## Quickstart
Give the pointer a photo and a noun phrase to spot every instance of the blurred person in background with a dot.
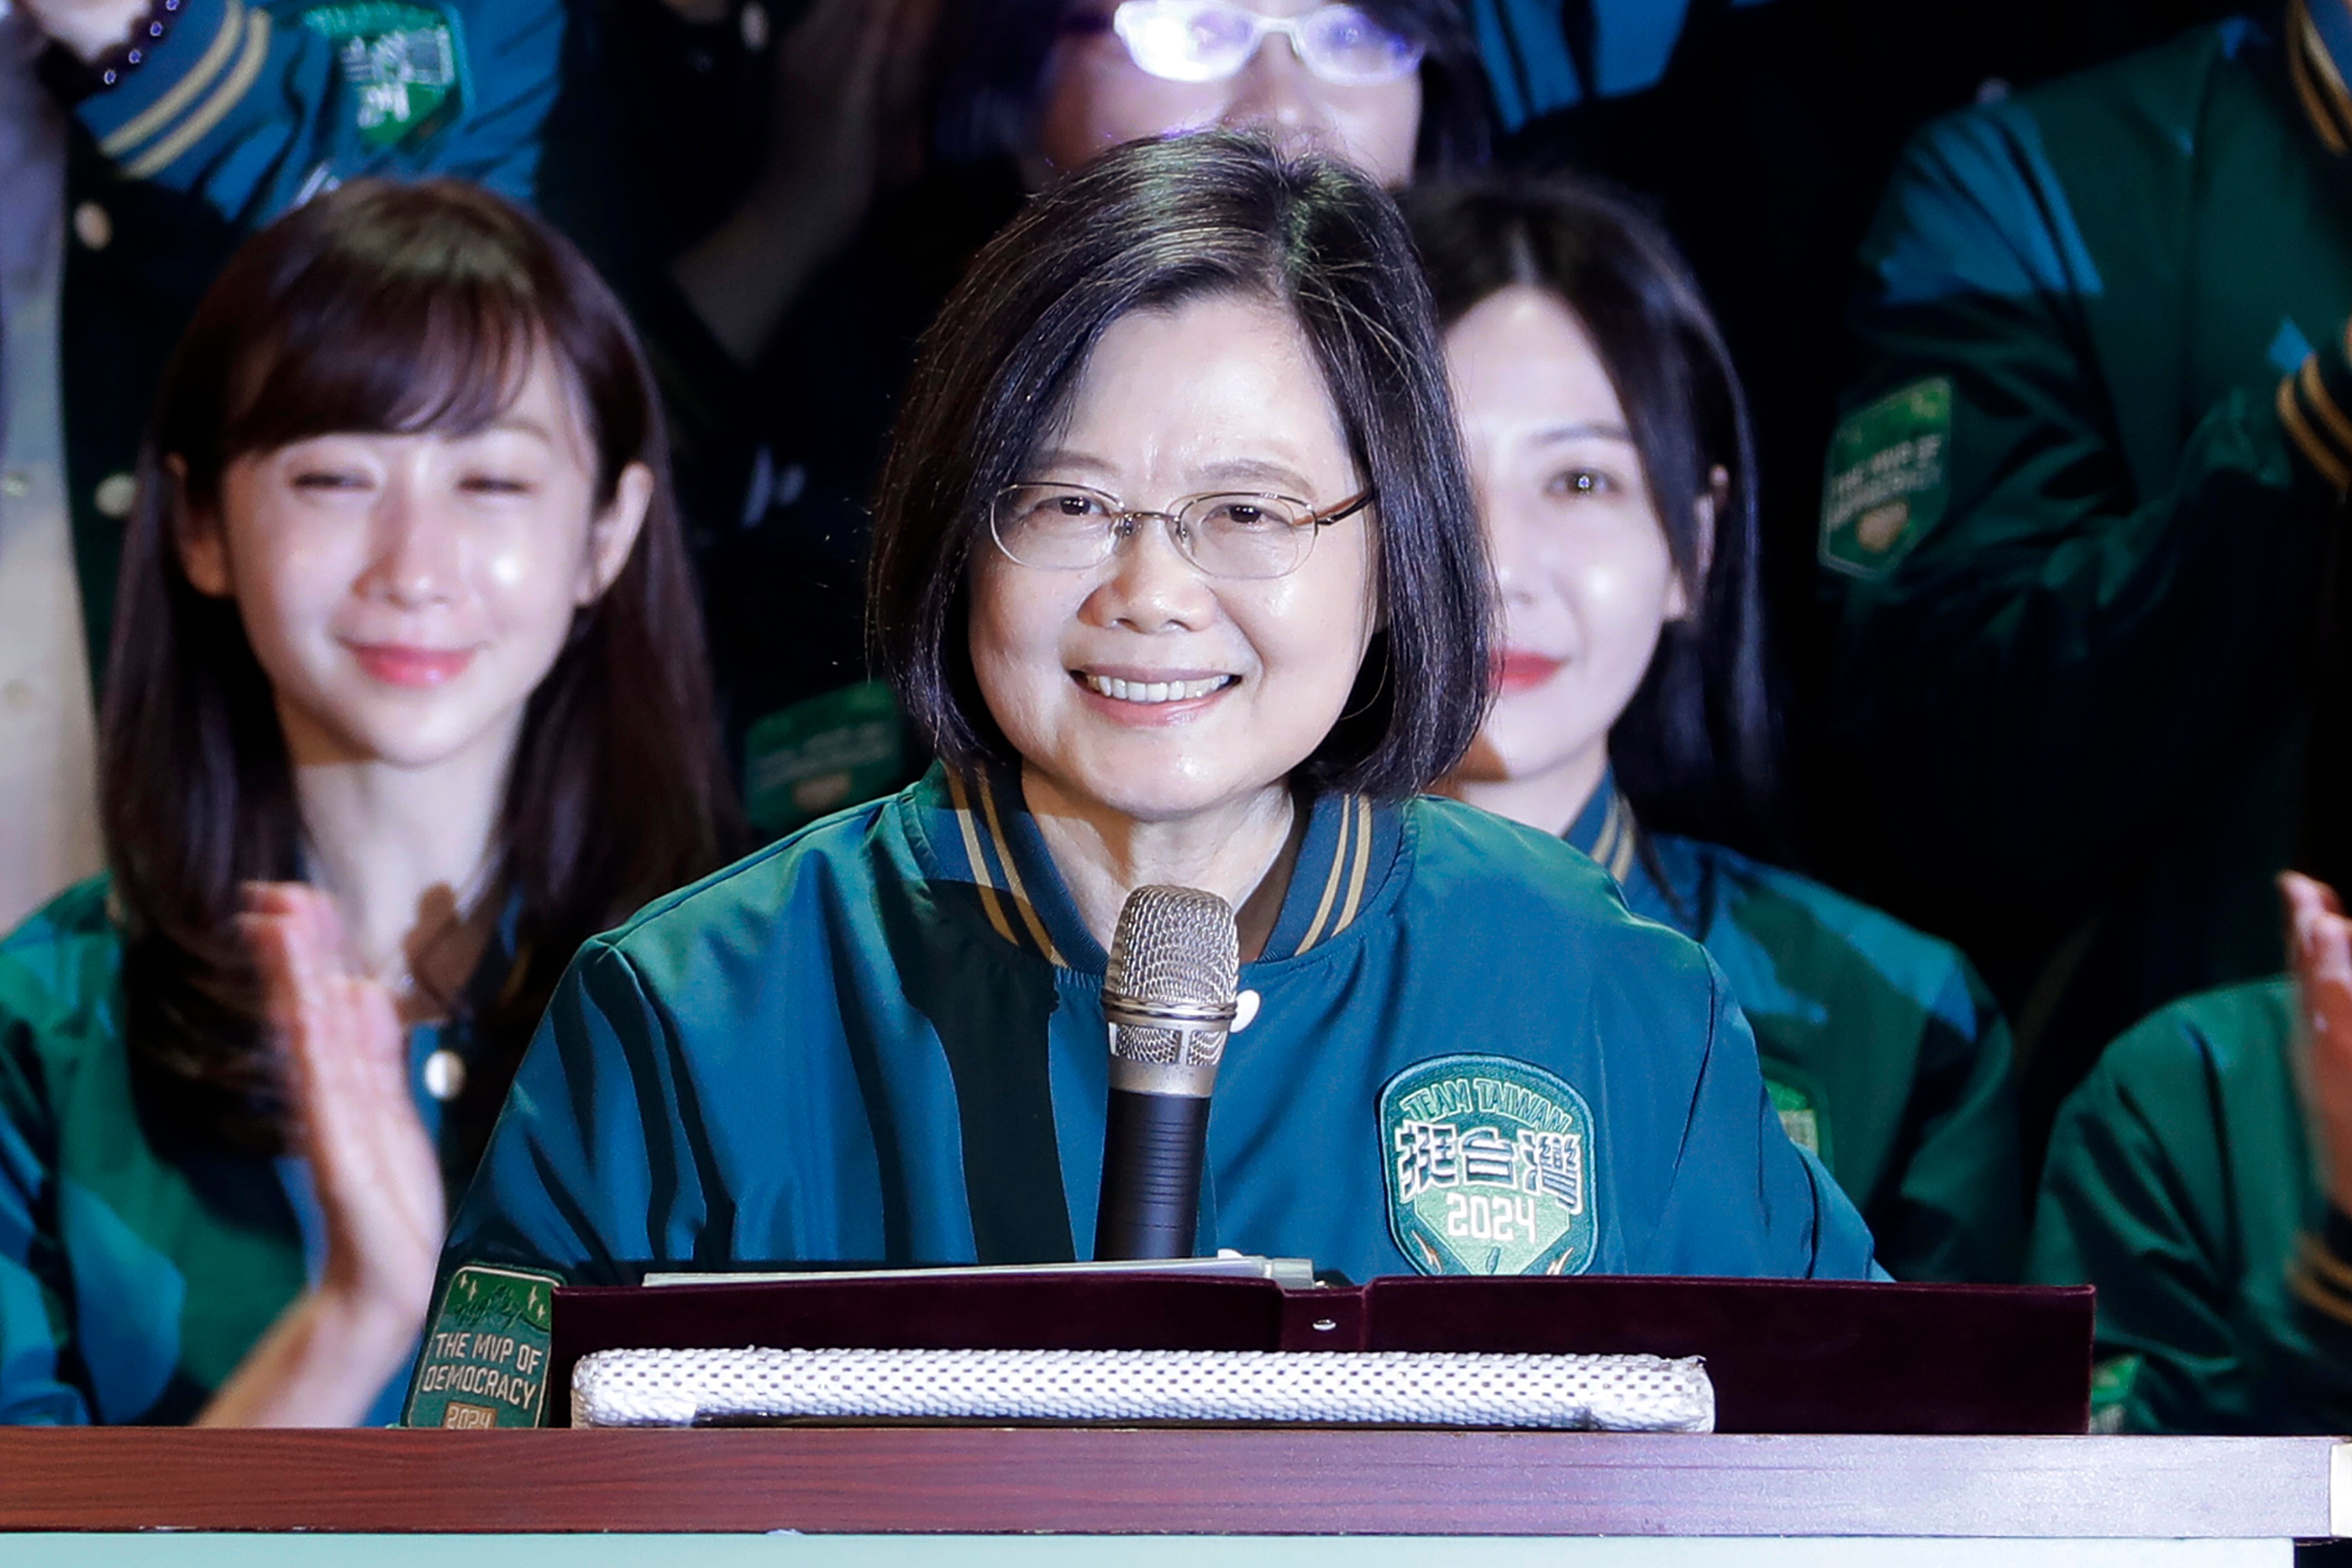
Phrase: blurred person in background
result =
(2201, 1176)
(407, 701)
(2078, 520)
(1608, 449)
(138, 141)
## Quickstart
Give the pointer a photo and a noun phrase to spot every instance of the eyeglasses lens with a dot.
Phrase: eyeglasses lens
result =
(1209, 40)
(1064, 527)
(1348, 49)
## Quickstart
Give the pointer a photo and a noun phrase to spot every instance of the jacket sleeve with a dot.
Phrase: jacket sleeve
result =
(592, 1172)
(2128, 1203)
(1744, 1201)
(2044, 663)
(34, 1326)
(1958, 1212)
(251, 111)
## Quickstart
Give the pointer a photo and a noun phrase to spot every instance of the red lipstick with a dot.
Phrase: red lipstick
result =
(396, 664)
(1519, 670)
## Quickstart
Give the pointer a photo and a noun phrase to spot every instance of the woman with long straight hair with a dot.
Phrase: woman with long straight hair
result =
(1608, 441)
(407, 700)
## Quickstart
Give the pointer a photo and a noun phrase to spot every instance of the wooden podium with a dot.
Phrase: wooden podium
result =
(906, 1495)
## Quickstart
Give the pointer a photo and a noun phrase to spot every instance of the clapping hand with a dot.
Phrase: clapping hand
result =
(345, 1060)
(2319, 958)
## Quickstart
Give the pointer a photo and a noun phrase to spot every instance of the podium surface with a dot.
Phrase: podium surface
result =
(2208, 1499)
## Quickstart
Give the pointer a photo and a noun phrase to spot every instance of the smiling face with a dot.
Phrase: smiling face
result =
(405, 593)
(1142, 686)
(1586, 577)
(1097, 97)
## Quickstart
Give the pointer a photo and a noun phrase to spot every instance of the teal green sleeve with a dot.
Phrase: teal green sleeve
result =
(248, 109)
(1958, 1212)
(2119, 1210)
(2177, 1182)
(33, 1320)
(2000, 661)
(599, 1107)
(1794, 1223)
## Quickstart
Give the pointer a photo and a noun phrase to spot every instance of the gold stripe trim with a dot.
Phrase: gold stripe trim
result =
(1020, 894)
(2317, 80)
(2334, 1269)
(1604, 843)
(1620, 864)
(2290, 415)
(231, 93)
(2323, 403)
(988, 899)
(2312, 1293)
(156, 115)
(1363, 863)
(1330, 883)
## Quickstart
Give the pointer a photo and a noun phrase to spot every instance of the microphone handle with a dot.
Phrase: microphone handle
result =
(1152, 1150)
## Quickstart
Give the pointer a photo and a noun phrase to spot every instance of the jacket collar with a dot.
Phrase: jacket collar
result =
(979, 828)
(1606, 831)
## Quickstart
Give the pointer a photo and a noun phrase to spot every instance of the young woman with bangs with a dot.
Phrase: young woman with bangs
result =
(407, 700)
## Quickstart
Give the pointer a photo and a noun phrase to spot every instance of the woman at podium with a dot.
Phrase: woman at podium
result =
(1177, 568)
(405, 701)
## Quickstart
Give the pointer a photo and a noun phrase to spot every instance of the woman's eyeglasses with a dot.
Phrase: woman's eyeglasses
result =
(1068, 528)
(1209, 40)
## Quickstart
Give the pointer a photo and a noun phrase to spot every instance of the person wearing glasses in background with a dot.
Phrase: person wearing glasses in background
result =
(1176, 568)
(902, 134)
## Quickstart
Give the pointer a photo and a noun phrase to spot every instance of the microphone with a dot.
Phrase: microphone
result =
(1168, 994)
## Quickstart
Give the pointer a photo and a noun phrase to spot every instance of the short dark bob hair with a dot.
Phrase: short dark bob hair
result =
(993, 55)
(1695, 748)
(396, 308)
(1152, 225)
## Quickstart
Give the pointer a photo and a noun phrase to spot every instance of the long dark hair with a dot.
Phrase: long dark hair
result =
(1695, 748)
(383, 307)
(992, 56)
(1150, 225)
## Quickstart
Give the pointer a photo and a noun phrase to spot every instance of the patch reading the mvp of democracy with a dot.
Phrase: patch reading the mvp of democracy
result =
(1886, 484)
(485, 1356)
(1489, 1163)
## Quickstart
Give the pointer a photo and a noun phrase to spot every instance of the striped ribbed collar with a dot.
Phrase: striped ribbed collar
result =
(978, 829)
(1605, 831)
(2319, 64)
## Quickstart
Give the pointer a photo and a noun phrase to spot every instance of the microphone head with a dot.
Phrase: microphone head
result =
(1168, 991)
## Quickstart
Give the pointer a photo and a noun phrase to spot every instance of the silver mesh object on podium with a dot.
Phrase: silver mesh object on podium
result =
(688, 1387)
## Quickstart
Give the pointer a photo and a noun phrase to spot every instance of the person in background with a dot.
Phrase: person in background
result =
(1176, 568)
(2077, 520)
(406, 702)
(900, 136)
(138, 141)
(2201, 1176)
(1608, 443)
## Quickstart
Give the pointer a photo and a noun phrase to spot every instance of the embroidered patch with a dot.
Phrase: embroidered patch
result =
(405, 65)
(832, 750)
(1885, 482)
(1800, 1116)
(484, 1362)
(1490, 1165)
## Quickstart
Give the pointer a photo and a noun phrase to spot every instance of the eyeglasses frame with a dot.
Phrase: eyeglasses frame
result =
(1095, 24)
(1123, 520)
